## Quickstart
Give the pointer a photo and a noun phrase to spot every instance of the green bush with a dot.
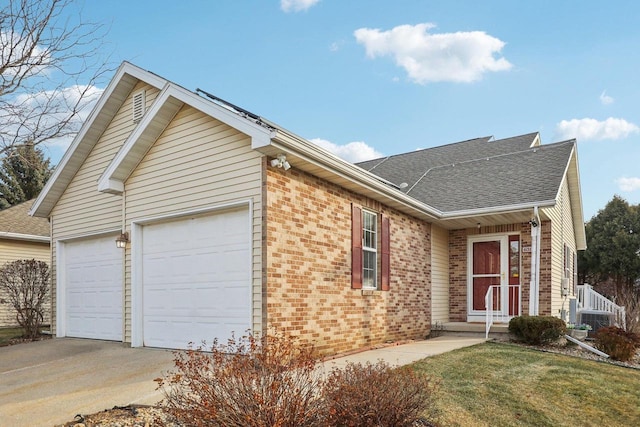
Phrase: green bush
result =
(537, 330)
(617, 343)
(377, 395)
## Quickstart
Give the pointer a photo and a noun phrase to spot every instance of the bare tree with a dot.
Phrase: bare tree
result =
(50, 66)
(26, 284)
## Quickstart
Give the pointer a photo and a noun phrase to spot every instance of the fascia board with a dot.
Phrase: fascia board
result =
(320, 157)
(112, 179)
(74, 157)
(498, 209)
(25, 237)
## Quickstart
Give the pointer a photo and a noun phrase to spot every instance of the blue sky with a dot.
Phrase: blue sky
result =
(370, 78)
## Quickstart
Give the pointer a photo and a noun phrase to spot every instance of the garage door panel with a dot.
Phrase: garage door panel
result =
(93, 289)
(196, 288)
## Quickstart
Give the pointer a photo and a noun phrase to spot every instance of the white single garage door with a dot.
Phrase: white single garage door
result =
(93, 289)
(196, 279)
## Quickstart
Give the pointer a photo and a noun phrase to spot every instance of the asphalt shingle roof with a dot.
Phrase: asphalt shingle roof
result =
(478, 173)
(16, 219)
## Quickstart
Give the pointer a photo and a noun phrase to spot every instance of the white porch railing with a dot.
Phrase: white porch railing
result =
(590, 300)
(494, 308)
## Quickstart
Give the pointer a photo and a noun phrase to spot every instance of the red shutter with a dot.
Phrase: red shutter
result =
(356, 247)
(385, 262)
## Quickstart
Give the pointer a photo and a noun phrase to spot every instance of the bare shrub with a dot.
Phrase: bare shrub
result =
(251, 381)
(617, 343)
(377, 395)
(26, 283)
(629, 298)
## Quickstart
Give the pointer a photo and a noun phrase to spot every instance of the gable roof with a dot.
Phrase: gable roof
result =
(479, 173)
(126, 77)
(15, 223)
(439, 180)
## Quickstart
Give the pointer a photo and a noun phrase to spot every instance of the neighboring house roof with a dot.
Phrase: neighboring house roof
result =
(16, 223)
(456, 185)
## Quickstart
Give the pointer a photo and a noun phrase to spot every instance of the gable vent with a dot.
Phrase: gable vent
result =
(138, 106)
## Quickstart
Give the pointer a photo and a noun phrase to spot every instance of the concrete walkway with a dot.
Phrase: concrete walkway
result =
(404, 354)
(48, 382)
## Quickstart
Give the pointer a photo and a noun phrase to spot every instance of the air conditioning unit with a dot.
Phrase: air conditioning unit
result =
(596, 319)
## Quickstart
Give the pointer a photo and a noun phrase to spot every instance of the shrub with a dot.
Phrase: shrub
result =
(376, 395)
(537, 330)
(26, 283)
(617, 343)
(251, 381)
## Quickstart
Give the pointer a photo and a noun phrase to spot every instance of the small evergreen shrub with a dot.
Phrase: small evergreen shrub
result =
(377, 395)
(617, 343)
(537, 330)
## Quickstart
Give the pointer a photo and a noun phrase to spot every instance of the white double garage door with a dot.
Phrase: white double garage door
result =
(193, 277)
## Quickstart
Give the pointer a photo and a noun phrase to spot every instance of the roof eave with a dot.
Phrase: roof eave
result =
(24, 237)
(347, 173)
(113, 96)
(168, 103)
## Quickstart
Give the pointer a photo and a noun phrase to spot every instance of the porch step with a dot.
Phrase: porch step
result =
(498, 330)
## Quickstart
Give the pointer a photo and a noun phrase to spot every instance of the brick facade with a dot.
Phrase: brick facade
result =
(458, 266)
(307, 268)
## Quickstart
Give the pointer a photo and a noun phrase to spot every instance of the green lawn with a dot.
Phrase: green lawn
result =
(7, 334)
(497, 384)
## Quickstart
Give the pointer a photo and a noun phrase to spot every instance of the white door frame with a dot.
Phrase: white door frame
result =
(137, 236)
(61, 277)
(480, 315)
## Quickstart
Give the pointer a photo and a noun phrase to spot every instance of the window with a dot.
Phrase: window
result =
(370, 254)
(369, 250)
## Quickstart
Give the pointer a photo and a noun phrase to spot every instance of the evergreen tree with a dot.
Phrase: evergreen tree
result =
(23, 173)
(613, 246)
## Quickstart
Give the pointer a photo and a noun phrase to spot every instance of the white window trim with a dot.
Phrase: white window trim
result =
(369, 249)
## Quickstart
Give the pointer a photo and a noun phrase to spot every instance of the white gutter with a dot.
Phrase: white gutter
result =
(29, 237)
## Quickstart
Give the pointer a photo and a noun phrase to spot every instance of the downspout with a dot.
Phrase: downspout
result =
(534, 287)
(124, 270)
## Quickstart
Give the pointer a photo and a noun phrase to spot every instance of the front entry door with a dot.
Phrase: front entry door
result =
(494, 262)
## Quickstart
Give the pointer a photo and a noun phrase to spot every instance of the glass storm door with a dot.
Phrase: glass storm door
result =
(494, 262)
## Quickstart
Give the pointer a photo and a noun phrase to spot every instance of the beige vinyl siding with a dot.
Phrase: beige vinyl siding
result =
(439, 274)
(12, 250)
(82, 210)
(562, 232)
(197, 163)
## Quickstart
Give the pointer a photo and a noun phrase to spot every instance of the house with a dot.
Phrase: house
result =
(225, 221)
(21, 237)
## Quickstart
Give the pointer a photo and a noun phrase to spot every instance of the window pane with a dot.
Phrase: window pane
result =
(369, 269)
(486, 257)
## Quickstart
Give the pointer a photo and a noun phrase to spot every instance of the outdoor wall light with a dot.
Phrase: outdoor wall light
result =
(281, 162)
(122, 240)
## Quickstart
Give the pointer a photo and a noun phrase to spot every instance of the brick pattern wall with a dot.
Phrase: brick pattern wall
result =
(307, 269)
(458, 266)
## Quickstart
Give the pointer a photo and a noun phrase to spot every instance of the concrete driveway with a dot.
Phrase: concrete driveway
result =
(48, 382)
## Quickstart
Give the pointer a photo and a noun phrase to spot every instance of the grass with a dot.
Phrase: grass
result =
(7, 334)
(496, 384)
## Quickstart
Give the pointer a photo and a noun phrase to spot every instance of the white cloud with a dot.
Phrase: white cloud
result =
(297, 5)
(605, 99)
(81, 97)
(352, 152)
(628, 184)
(592, 129)
(455, 57)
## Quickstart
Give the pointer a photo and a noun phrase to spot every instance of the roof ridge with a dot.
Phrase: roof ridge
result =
(485, 158)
